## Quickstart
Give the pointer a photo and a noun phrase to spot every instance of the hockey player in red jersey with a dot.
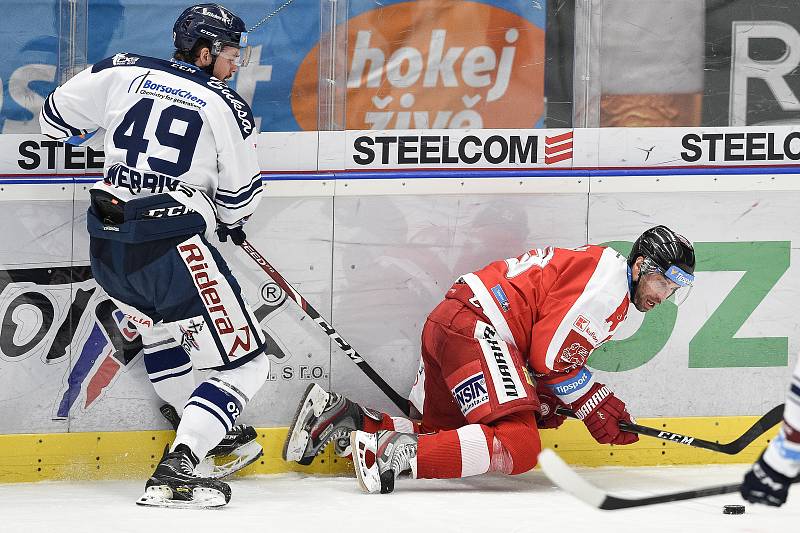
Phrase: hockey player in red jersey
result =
(541, 313)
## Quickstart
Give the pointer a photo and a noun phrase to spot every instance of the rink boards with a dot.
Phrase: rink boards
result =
(372, 227)
(134, 454)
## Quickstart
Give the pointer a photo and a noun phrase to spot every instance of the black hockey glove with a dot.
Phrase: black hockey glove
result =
(763, 484)
(236, 233)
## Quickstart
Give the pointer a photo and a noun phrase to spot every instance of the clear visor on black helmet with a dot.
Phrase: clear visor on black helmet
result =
(674, 281)
(239, 57)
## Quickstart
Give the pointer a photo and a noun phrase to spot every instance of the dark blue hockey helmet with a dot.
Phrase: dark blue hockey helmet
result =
(214, 23)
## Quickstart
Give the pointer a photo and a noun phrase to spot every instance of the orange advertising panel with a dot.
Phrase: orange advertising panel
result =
(435, 64)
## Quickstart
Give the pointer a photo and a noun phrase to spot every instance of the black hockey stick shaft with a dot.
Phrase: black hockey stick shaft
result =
(570, 481)
(611, 503)
(761, 426)
(399, 401)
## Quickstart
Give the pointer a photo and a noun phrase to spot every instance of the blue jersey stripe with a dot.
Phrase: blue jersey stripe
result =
(255, 178)
(52, 114)
(47, 114)
(169, 376)
(231, 207)
(251, 191)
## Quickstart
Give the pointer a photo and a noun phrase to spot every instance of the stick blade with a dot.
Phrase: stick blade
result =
(569, 481)
(772, 418)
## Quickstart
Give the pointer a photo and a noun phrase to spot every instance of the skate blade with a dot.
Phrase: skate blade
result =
(202, 498)
(368, 477)
(243, 456)
(314, 401)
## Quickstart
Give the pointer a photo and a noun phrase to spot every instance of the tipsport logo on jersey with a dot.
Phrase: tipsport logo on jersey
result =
(438, 65)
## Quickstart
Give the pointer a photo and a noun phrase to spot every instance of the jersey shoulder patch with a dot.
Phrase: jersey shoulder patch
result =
(125, 59)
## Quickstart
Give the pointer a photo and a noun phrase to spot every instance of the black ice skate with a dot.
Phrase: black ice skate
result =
(239, 444)
(323, 417)
(388, 454)
(175, 484)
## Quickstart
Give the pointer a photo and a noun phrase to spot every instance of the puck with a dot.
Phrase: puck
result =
(733, 509)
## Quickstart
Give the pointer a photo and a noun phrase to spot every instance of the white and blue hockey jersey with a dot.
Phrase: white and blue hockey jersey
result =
(166, 123)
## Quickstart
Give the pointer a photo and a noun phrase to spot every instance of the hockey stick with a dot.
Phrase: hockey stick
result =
(399, 401)
(568, 480)
(761, 426)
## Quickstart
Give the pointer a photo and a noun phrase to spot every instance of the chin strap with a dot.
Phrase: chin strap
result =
(631, 284)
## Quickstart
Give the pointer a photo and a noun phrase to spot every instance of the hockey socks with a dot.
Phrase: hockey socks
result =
(215, 405)
(393, 423)
(237, 449)
(209, 414)
(509, 445)
(454, 453)
(170, 372)
(199, 430)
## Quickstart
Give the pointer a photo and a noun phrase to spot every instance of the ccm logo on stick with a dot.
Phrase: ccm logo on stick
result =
(683, 439)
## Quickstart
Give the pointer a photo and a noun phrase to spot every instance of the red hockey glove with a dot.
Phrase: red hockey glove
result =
(547, 418)
(602, 412)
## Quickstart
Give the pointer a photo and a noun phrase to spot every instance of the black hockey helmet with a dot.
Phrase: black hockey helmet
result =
(666, 252)
(212, 22)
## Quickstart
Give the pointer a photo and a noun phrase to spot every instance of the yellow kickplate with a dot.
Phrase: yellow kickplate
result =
(128, 454)
(134, 454)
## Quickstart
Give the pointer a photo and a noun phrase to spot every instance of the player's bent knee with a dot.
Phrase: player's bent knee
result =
(249, 377)
(526, 453)
(259, 364)
(519, 437)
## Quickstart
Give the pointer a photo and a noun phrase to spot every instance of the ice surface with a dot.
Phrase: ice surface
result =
(494, 503)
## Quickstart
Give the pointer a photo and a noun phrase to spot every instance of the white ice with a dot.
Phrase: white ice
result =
(296, 503)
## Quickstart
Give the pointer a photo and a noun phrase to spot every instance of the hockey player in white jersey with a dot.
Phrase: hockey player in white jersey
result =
(180, 165)
(778, 466)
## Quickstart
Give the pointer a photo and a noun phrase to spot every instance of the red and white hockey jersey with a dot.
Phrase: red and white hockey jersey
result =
(555, 305)
(166, 123)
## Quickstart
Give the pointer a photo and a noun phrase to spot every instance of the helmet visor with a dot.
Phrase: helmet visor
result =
(238, 56)
(244, 51)
(684, 282)
(236, 53)
(675, 282)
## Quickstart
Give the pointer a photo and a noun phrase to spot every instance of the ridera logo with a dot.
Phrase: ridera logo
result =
(435, 65)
